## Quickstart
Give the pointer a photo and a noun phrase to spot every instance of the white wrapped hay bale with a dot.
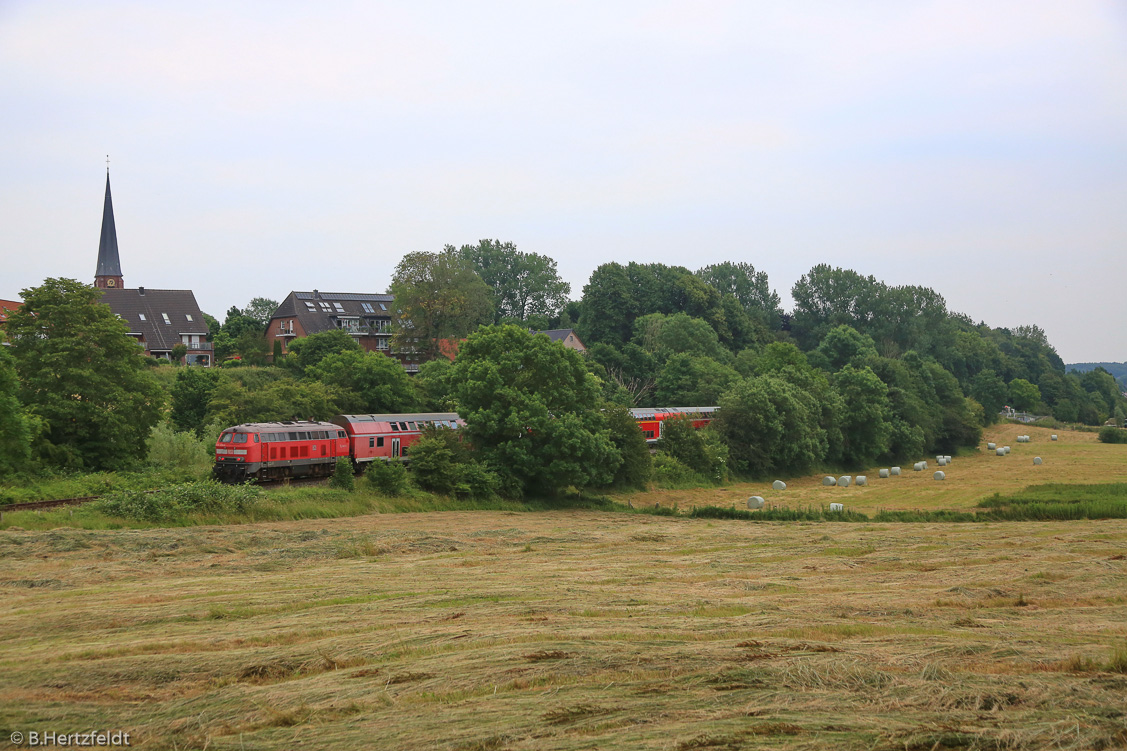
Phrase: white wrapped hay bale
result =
(1053, 437)
(948, 458)
(918, 466)
(999, 452)
(862, 480)
(779, 485)
(939, 475)
(836, 507)
(829, 481)
(942, 461)
(991, 446)
(895, 471)
(884, 473)
(844, 481)
(1036, 460)
(755, 502)
(1007, 449)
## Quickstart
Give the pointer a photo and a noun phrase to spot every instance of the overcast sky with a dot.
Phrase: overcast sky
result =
(979, 148)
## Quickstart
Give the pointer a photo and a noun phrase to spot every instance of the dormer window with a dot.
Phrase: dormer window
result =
(167, 319)
(188, 316)
(142, 316)
(382, 306)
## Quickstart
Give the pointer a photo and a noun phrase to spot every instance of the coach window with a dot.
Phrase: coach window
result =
(372, 442)
(402, 426)
(379, 442)
(395, 427)
(293, 436)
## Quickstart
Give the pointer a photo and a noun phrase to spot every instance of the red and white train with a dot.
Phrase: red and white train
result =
(267, 451)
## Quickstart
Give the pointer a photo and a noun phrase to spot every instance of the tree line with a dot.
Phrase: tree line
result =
(857, 372)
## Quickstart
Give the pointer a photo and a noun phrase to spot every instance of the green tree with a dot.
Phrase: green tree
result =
(436, 391)
(307, 351)
(637, 464)
(83, 376)
(843, 345)
(179, 350)
(252, 347)
(989, 390)
(749, 287)
(366, 382)
(191, 393)
(866, 427)
(438, 296)
(260, 309)
(525, 285)
(607, 310)
(15, 427)
(770, 425)
(1024, 396)
(237, 324)
(693, 381)
(235, 401)
(694, 448)
(668, 335)
(531, 409)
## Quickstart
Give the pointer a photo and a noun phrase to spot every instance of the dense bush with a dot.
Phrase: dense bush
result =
(1112, 434)
(637, 464)
(206, 497)
(169, 449)
(668, 472)
(343, 474)
(702, 451)
(387, 477)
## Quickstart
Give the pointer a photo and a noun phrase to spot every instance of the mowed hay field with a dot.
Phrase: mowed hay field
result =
(1076, 457)
(586, 630)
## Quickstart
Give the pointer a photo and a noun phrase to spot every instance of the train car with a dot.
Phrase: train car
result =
(372, 437)
(650, 419)
(277, 450)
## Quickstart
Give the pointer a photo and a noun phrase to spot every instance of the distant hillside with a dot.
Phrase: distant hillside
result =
(1117, 369)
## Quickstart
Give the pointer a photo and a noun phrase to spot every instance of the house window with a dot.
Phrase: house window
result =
(188, 316)
(382, 306)
(311, 306)
(339, 307)
(142, 316)
(367, 307)
(326, 307)
(382, 344)
(167, 319)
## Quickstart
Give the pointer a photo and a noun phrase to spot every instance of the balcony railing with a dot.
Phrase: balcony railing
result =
(198, 346)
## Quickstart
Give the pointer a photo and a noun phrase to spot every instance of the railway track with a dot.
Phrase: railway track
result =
(33, 505)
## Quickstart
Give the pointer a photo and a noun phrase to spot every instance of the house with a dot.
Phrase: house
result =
(7, 307)
(365, 316)
(158, 319)
(567, 337)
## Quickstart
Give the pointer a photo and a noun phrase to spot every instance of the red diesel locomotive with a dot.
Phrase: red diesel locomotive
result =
(266, 451)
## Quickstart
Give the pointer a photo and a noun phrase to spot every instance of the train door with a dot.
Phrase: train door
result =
(395, 448)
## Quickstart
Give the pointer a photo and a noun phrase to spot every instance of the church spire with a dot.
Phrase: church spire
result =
(109, 266)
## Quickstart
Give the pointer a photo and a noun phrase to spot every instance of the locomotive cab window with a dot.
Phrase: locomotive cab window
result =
(225, 438)
(340, 434)
(240, 437)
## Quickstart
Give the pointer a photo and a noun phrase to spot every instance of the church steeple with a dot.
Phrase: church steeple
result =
(108, 274)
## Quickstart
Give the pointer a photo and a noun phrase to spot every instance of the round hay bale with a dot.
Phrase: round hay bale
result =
(1036, 460)
(844, 481)
(939, 475)
(919, 466)
(948, 458)
(1007, 449)
(895, 471)
(862, 480)
(838, 507)
(942, 461)
(999, 452)
(884, 473)
(991, 446)
(1053, 437)
(779, 485)
(755, 502)
(829, 481)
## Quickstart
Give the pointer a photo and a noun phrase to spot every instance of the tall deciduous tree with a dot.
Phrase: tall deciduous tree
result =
(525, 285)
(190, 396)
(749, 287)
(310, 350)
(83, 376)
(15, 430)
(438, 296)
(260, 309)
(532, 409)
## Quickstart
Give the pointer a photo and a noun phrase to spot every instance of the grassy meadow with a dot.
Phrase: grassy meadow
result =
(585, 629)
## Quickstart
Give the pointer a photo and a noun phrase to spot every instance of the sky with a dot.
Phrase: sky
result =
(979, 149)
